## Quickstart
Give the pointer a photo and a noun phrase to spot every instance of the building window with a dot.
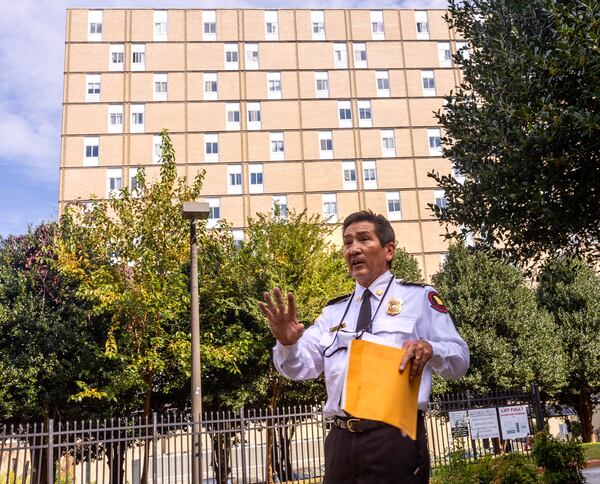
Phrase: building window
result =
(251, 56)
(274, 85)
(211, 147)
(214, 213)
(91, 150)
(277, 146)
(209, 23)
(160, 87)
(349, 175)
(133, 182)
(422, 25)
(156, 149)
(92, 89)
(377, 30)
(94, 25)
(234, 179)
(388, 145)
(435, 142)
(117, 57)
(137, 118)
(365, 119)
(321, 84)
(462, 49)
(232, 111)
(382, 80)
(393, 206)
(231, 57)
(457, 175)
(238, 237)
(444, 54)
(439, 199)
(253, 115)
(115, 118)
(210, 86)
(255, 173)
(428, 81)
(271, 25)
(340, 56)
(325, 145)
(317, 18)
(360, 55)
(114, 182)
(138, 57)
(345, 114)
(280, 206)
(369, 175)
(160, 25)
(330, 208)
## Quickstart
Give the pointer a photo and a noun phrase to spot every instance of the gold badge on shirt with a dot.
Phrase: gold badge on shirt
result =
(394, 306)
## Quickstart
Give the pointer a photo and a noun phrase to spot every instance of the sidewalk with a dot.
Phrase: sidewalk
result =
(592, 473)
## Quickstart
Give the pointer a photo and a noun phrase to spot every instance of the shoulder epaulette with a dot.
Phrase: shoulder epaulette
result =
(338, 299)
(412, 283)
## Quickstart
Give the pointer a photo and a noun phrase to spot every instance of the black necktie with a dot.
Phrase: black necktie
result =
(364, 315)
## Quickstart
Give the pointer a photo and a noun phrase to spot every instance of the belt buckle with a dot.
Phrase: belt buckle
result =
(349, 423)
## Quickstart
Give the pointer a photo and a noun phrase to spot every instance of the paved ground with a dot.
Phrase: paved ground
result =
(592, 475)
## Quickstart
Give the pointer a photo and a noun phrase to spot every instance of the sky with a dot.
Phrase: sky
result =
(32, 36)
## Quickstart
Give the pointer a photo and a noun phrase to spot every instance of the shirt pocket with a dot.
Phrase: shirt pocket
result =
(396, 328)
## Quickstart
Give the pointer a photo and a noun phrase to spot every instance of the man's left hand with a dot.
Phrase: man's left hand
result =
(420, 352)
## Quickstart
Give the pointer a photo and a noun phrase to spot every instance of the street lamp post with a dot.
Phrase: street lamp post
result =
(193, 211)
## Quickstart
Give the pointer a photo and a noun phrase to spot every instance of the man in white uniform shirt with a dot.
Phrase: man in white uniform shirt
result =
(407, 314)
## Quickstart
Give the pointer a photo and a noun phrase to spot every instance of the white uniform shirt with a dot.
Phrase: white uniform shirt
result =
(422, 317)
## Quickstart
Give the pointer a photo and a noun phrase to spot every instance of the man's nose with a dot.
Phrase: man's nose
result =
(354, 247)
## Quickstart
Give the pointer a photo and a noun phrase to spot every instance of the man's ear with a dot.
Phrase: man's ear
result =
(390, 250)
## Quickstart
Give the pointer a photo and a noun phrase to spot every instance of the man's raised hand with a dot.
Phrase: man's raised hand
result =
(282, 321)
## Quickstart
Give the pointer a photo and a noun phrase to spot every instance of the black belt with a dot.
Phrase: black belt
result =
(353, 424)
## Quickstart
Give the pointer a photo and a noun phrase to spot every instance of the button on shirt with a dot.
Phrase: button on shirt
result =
(323, 348)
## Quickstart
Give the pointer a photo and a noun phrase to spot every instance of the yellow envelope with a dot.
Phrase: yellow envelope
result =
(375, 389)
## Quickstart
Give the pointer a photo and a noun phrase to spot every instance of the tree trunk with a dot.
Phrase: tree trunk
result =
(116, 452)
(585, 410)
(282, 449)
(221, 452)
(148, 442)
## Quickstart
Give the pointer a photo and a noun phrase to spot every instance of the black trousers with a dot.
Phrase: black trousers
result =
(379, 456)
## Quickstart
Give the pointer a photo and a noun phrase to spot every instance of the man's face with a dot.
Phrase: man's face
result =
(365, 256)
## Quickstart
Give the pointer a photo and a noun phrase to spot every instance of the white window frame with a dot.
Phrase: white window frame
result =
(114, 110)
(428, 82)
(133, 187)
(214, 214)
(421, 25)
(93, 83)
(238, 237)
(369, 167)
(340, 55)
(232, 116)
(365, 113)
(434, 141)
(254, 120)
(256, 185)
(209, 19)
(394, 206)
(137, 113)
(234, 175)
(231, 49)
(114, 177)
(349, 176)
(317, 24)
(271, 25)
(156, 149)
(138, 57)
(280, 206)
(95, 27)
(359, 50)
(329, 203)
(251, 56)
(211, 140)
(276, 140)
(388, 149)
(462, 48)
(384, 77)
(444, 54)
(91, 159)
(274, 85)
(160, 25)
(377, 25)
(116, 59)
(325, 140)
(160, 87)
(439, 198)
(344, 114)
(210, 78)
(321, 79)
(457, 175)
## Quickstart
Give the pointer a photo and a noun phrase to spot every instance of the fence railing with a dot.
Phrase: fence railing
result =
(248, 446)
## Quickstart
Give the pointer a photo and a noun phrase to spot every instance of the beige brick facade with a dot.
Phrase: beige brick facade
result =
(329, 111)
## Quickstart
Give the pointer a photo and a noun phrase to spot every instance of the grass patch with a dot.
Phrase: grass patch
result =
(592, 451)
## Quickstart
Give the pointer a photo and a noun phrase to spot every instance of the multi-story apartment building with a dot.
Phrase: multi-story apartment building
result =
(325, 110)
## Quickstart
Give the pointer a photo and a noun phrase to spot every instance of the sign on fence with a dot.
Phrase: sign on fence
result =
(459, 423)
(484, 423)
(514, 422)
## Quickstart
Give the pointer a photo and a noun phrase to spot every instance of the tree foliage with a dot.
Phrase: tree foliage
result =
(405, 266)
(524, 128)
(570, 291)
(512, 343)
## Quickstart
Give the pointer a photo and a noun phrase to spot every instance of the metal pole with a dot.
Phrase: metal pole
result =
(539, 411)
(196, 375)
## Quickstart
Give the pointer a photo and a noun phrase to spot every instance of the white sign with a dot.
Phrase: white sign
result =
(514, 422)
(484, 423)
(458, 423)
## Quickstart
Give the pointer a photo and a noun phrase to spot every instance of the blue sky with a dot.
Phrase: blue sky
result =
(32, 34)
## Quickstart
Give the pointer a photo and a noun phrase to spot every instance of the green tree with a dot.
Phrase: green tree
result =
(570, 291)
(512, 343)
(405, 266)
(523, 128)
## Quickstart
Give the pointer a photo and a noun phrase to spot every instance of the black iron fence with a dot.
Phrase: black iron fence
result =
(249, 446)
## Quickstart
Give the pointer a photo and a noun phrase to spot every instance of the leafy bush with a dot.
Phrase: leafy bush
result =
(562, 461)
(514, 468)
